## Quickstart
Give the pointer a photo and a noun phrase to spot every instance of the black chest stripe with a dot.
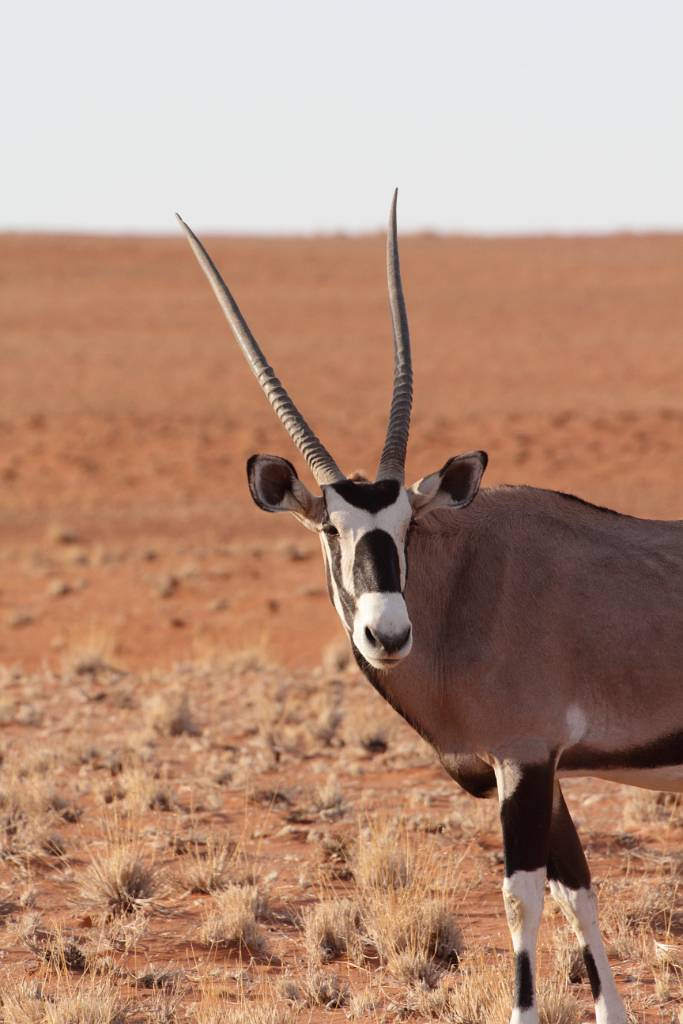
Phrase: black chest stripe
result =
(375, 566)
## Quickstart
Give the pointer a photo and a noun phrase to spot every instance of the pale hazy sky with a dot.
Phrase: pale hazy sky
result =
(490, 115)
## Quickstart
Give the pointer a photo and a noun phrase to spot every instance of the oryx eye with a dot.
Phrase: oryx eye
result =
(330, 530)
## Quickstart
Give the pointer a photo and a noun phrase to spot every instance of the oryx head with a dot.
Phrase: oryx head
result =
(363, 526)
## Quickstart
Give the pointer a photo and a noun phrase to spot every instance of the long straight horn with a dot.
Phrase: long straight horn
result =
(322, 465)
(393, 460)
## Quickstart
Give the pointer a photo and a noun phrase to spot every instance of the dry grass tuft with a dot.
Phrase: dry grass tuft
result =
(322, 989)
(417, 936)
(381, 860)
(91, 1000)
(170, 714)
(411, 929)
(634, 907)
(207, 868)
(57, 950)
(119, 882)
(231, 921)
(333, 930)
(139, 788)
(27, 814)
(268, 1010)
(648, 807)
(90, 654)
(328, 800)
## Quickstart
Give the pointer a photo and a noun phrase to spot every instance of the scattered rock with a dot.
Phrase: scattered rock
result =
(57, 534)
(17, 619)
(59, 588)
(168, 586)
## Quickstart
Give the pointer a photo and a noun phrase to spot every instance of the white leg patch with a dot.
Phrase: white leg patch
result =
(580, 907)
(523, 899)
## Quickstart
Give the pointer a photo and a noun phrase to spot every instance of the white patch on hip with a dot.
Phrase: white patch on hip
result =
(576, 724)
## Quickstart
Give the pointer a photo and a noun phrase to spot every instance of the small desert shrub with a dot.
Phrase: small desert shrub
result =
(328, 800)
(170, 714)
(57, 950)
(416, 935)
(207, 868)
(325, 718)
(138, 789)
(230, 921)
(363, 1004)
(335, 856)
(322, 989)
(632, 906)
(381, 860)
(119, 882)
(644, 806)
(91, 1000)
(27, 814)
(212, 1011)
(332, 930)
(90, 654)
(21, 1002)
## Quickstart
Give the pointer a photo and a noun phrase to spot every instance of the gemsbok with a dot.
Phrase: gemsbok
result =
(526, 634)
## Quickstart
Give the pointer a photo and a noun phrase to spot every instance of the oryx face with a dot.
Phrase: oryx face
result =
(363, 539)
(363, 529)
(363, 526)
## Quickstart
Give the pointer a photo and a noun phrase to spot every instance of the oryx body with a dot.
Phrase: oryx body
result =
(526, 634)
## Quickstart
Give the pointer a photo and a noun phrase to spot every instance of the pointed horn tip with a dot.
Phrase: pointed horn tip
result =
(185, 228)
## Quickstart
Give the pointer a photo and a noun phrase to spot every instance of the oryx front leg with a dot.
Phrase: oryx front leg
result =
(570, 885)
(526, 796)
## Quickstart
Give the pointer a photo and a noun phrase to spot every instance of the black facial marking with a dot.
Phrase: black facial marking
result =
(592, 972)
(375, 565)
(374, 677)
(524, 985)
(370, 497)
(475, 776)
(666, 751)
(525, 817)
(566, 859)
(334, 570)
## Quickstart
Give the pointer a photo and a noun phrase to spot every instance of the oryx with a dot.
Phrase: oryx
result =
(525, 633)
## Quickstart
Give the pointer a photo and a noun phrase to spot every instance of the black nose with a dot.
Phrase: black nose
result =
(386, 643)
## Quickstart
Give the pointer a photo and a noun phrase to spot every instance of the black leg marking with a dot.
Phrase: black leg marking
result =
(525, 816)
(526, 793)
(566, 860)
(524, 985)
(592, 972)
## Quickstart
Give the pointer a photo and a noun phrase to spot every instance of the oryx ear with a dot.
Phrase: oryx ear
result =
(453, 486)
(275, 487)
